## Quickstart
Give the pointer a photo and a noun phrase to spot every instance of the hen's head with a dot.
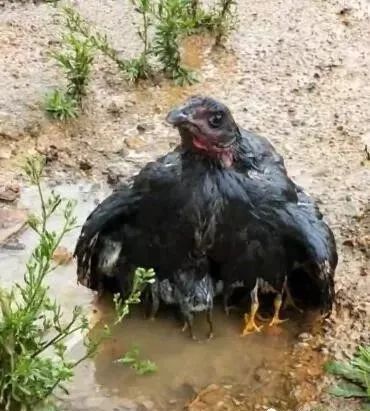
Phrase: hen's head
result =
(206, 126)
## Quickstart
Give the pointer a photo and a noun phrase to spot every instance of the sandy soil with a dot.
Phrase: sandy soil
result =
(294, 71)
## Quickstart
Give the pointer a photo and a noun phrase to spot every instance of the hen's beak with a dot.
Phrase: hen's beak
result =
(177, 116)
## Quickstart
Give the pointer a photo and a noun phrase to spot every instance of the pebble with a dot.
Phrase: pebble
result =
(9, 193)
(148, 405)
(85, 164)
(135, 143)
(305, 337)
(5, 153)
(14, 245)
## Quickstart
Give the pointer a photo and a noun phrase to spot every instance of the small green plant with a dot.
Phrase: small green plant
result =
(134, 69)
(33, 332)
(76, 60)
(132, 359)
(60, 105)
(140, 68)
(170, 28)
(141, 279)
(145, 8)
(197, 18)
(77, 24)
(224, 19)
(356, 374)
(137, 69)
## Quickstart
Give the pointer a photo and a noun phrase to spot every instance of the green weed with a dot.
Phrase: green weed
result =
(356, 376)
(132, 359)
(60, 105)
(77, 24)
(76, 60)
(134, 69)
(33, 332)
(224, 20)
(220, 20)
(141, 279)
(170, 28)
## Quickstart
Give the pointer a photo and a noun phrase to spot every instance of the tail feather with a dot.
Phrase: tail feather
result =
(99, 245)
(312, 253)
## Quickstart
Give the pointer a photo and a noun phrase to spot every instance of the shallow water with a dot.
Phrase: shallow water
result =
(184, 366)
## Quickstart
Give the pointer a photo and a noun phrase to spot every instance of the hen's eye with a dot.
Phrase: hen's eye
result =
(215, 120)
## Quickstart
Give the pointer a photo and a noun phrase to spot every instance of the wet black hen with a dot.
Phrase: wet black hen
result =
(269, 235)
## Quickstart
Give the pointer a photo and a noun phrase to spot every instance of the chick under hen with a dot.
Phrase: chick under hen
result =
(269, 234)
(192, 289)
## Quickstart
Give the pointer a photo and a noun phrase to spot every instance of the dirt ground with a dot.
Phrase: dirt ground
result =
(296, 72)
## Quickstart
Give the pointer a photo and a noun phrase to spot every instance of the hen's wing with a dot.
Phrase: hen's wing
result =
(100, 245)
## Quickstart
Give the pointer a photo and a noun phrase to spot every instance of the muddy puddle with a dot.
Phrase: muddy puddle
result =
(245, 373)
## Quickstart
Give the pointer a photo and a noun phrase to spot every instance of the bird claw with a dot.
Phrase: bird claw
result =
(277, 321)
(250, 326)
(192, 336)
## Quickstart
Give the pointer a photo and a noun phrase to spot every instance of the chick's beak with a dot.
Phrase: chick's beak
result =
(177, 116)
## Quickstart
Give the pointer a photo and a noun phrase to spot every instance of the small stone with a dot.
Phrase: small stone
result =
(11, 222)
(295, 123)
(5, 153)
(345, 11)
(9, 193)
(305, 337)
(311, 87)
(135, 143)
(114, 176)
(85, 164)
(147, 405)
(141, 128)
(349, 242)
(51, 154)
(14, 245)
(302, 345)
(114, 109)
(262, 375)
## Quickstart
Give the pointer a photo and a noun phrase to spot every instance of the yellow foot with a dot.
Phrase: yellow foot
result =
(250, 326)
(276, 321)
